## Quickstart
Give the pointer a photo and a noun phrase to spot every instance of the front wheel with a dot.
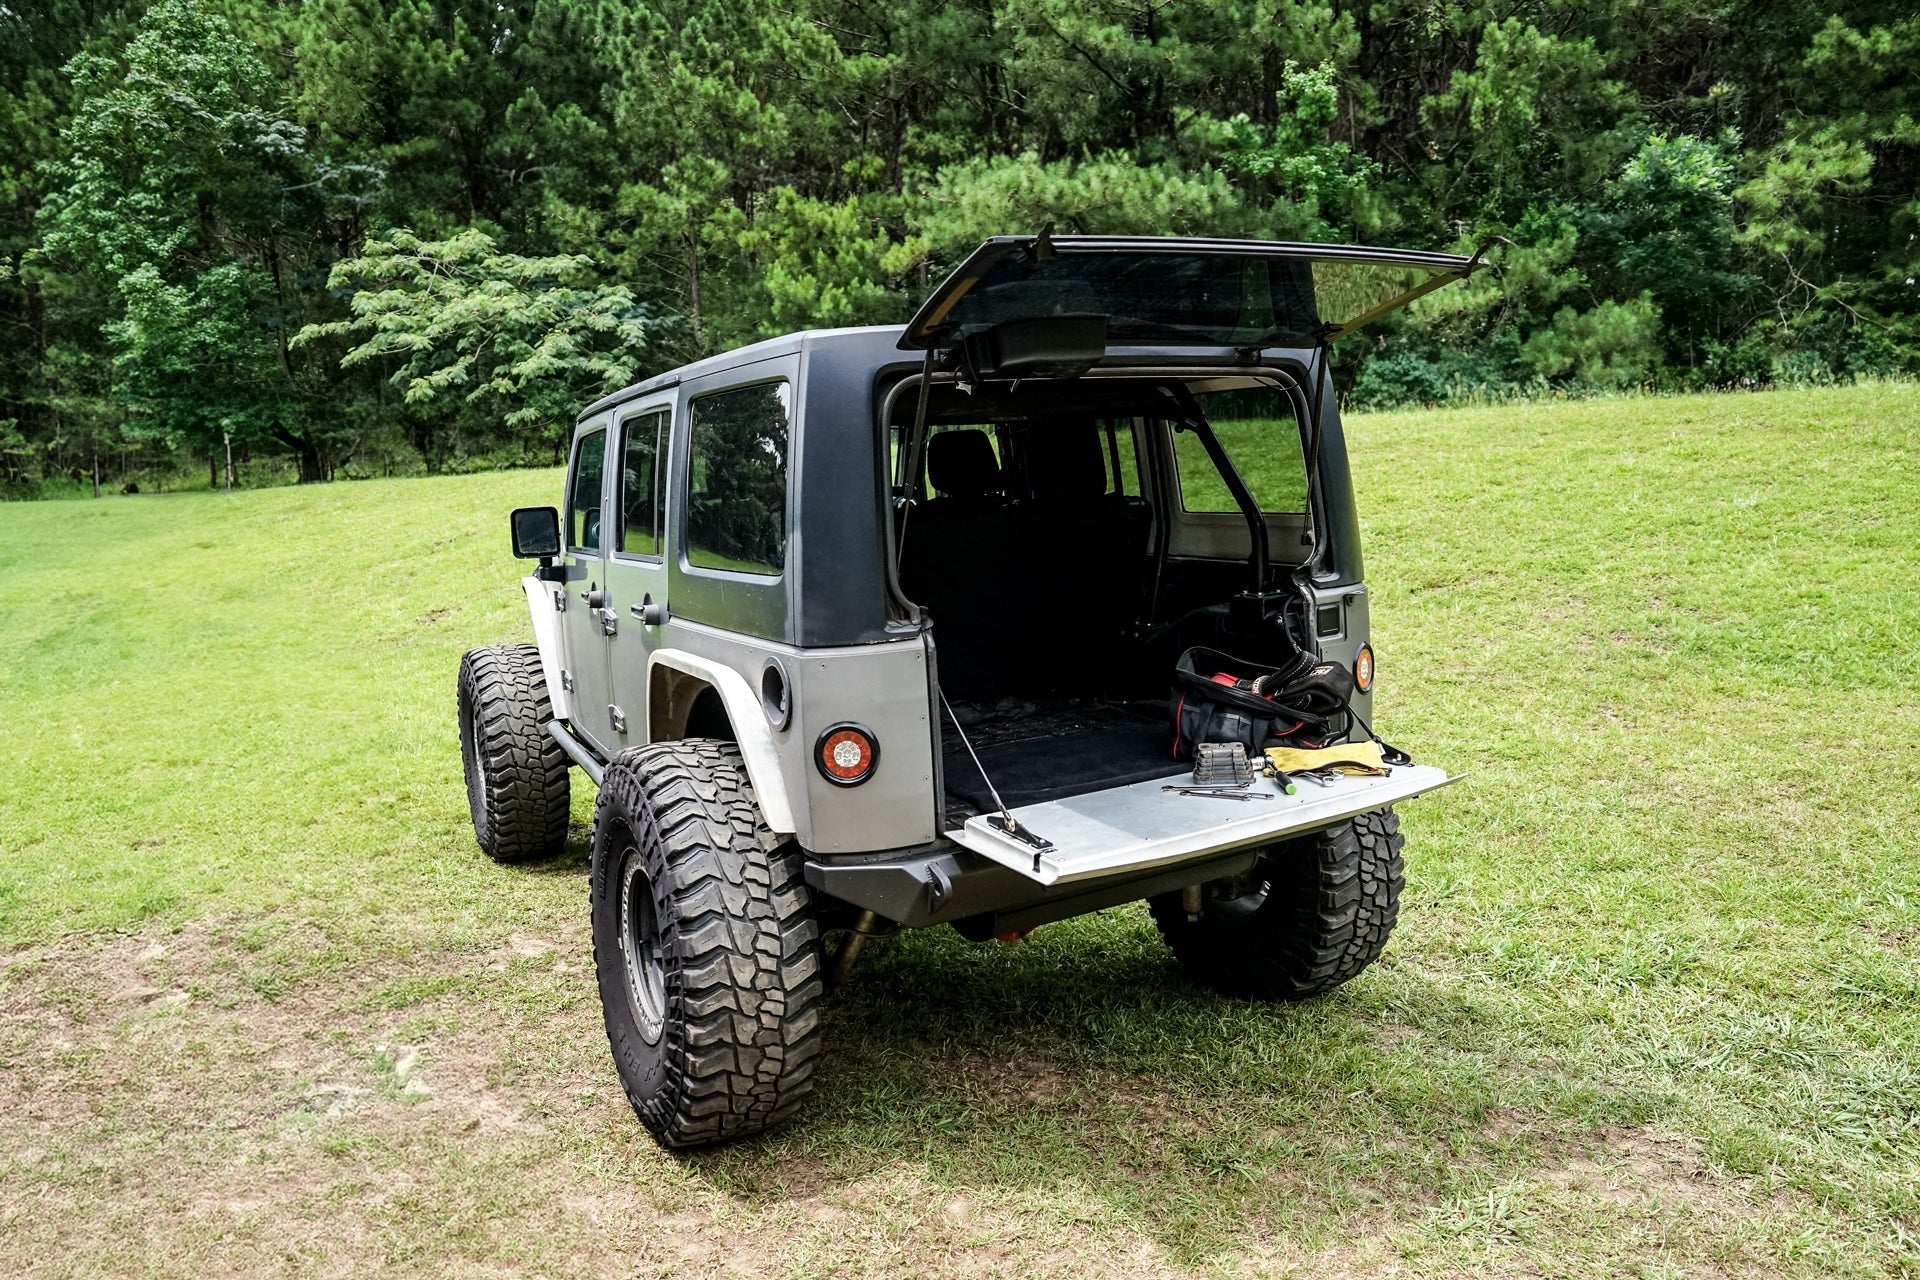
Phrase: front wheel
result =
(1309, 915)
(517, 782)
(705, 946)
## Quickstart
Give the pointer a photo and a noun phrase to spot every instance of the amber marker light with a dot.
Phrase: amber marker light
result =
(1363, 669)
(846, 754)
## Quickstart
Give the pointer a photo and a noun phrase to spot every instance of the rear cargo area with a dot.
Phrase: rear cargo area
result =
(1037, 545)
(1034, 754)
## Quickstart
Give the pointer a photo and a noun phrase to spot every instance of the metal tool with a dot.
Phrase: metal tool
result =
(1281, 780)
(1219, 793)
(1221, 764)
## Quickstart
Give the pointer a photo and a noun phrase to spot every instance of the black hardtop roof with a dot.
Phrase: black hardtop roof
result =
(881, 342)
(1210, 298)
(766, 349)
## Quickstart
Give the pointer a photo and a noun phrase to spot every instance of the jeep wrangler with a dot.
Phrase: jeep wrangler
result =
(867, 629)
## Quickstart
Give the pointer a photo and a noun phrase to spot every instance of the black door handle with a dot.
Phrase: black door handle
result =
(594, 599)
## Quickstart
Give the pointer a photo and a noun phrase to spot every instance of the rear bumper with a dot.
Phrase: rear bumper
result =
(954, 884)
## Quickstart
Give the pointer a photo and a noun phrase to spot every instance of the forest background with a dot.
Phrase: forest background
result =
(354, 237)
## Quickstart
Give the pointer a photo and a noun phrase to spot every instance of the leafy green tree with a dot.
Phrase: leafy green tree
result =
(1323, 185)
(496, 333)
(1664, 227)
(180, 184)
(1690, 193)
(53, 367)
(1834, 209)
(1615, 344)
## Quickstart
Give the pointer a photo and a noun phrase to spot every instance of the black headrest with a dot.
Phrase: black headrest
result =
(1064, 461)
(960, 464)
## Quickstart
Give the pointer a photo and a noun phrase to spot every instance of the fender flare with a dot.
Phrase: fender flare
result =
(751, 733)
(546, 635)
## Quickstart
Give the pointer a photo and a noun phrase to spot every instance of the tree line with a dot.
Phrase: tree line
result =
(364, 236)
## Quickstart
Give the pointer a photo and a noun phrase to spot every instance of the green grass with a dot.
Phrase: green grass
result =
(1653, 1008)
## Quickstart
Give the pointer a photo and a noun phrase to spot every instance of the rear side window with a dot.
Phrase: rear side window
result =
(1123, 466)
(583, 507)
(643, 451)
(737, 479)
(1257, 427)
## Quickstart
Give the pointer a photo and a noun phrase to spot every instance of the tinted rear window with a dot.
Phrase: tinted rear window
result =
(643, 451)
(737, 479)
(1214, 299)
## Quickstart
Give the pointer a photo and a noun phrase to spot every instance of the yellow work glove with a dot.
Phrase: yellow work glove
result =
(1359, 759)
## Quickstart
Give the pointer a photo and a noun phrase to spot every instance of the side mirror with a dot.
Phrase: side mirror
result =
(536, 533)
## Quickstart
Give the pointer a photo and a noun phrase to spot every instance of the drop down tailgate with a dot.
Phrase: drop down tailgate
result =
(1140, 826)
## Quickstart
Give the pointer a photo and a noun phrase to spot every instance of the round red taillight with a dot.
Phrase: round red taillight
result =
(846, 754)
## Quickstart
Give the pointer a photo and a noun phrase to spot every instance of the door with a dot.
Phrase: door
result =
(636, 564)
(588, 624)
(1165, 291)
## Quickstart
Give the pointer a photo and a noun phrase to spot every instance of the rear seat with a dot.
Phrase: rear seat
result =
(1029, 596)
(955, 561)
(963, 471)
(1090, 543)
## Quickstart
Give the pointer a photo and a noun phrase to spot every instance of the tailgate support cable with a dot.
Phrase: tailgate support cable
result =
(1003, 821)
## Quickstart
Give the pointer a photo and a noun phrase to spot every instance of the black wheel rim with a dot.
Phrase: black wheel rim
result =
(640, 950)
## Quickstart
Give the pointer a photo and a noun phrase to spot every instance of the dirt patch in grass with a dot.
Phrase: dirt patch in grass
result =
(167, 1116)
(193, 1102)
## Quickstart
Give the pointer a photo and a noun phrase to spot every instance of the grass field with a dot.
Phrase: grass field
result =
(1653, 1008)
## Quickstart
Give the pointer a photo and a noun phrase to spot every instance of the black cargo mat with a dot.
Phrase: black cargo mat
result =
(1047, 755)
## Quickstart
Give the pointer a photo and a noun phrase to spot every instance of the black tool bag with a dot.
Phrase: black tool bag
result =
(1220, 698)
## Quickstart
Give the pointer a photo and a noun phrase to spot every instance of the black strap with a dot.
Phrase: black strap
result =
(1388, 752)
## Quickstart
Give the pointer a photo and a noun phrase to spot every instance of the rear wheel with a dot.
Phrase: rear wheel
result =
(1309, 915)
(517, 783)
(705, 945)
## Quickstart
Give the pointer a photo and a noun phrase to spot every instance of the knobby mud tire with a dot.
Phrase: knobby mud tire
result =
(713, 1001)
(1329, 903)
(517, 779)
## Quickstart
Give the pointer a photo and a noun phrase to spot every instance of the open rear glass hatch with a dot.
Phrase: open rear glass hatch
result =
(1164, 291)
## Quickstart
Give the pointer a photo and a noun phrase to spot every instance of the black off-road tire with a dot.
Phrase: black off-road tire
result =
(517, 782)
(705, 945)
(1311, 914)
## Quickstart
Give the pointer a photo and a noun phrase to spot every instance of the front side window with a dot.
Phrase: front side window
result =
(737, 479)
(641, 503)
(1257, 427)
(583, 507)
